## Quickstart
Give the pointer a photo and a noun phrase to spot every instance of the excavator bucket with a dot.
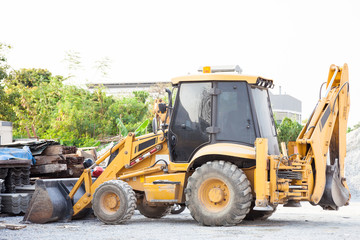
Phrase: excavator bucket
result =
(51, 202)
(335, 194)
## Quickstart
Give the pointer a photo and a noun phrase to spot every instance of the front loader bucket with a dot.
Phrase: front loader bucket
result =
(50, 201)
(335, 194)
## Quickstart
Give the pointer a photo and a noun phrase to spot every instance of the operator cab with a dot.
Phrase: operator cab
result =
(220, 106)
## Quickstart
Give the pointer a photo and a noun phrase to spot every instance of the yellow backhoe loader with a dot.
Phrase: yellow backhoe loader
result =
(216, 150)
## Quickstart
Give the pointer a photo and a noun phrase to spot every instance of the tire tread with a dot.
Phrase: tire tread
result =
(242, 198)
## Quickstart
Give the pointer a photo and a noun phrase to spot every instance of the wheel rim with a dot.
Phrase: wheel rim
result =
(214, 194)
(109, 202)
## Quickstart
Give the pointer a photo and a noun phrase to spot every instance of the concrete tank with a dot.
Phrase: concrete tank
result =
(6, 135)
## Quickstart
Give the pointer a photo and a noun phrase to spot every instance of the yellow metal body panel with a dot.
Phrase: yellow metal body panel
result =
(292, 148)
(227, 149)
(261, 184)
(217, 77)
(158, 192)
(178, 167)
(161, 192)
(250, 174)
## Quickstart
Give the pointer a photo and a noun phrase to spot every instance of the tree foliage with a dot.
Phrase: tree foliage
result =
(4, 66)
(29, 77)
(356, 126)
(288, 130)
(6, 113)
(71, 114)
(5, 109)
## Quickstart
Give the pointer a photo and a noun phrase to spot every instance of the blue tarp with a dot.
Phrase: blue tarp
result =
(14, 153)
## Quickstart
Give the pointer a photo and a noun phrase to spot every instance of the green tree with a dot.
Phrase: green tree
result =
(133, 110)
(288, 130)
(72, 115)
(18, 91)
(29, 77)
(356, 126)
(4, 66)
(6, 113)
(141, 95)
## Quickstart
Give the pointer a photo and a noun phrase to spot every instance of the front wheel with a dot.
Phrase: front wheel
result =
(114, 202)
(218, 194)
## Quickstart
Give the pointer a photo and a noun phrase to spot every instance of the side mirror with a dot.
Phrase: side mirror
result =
(154, 125)
(169, 96)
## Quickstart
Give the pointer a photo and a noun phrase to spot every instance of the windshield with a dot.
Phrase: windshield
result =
(265, 118)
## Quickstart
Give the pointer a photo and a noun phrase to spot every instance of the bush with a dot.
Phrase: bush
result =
(288, 130)
(70, 114)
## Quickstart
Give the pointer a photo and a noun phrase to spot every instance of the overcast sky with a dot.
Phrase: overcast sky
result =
(292, 42)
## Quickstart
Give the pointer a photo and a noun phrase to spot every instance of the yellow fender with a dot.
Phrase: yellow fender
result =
(225, 149)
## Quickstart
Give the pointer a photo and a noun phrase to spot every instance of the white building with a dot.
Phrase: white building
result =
(6, 135)
(126, 89)
(284, 105)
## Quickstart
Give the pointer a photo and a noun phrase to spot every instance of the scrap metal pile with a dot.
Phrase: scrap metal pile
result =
(44, 159)
(58, 161)
(14, 173)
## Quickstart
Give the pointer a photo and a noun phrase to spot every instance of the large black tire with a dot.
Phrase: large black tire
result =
(258, 215)
(114, 202)
(218, 194)
(152, 211)
(178, 208)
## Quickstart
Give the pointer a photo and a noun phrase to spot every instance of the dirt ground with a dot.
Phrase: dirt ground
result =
(307, 222)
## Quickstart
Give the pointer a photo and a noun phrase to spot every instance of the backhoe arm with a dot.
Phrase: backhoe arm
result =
(315, 171)
(323, 140)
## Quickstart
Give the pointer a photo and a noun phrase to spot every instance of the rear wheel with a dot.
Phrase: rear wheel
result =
(218, 193)
(152, 211)
(258, 215)
(114, 202)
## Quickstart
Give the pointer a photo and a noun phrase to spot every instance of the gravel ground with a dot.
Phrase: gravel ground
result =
(307, 222)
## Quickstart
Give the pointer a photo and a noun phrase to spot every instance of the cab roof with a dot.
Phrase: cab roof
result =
(206, 77)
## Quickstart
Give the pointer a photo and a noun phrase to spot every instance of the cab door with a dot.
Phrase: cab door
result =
(191, 117)
(234, 116)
